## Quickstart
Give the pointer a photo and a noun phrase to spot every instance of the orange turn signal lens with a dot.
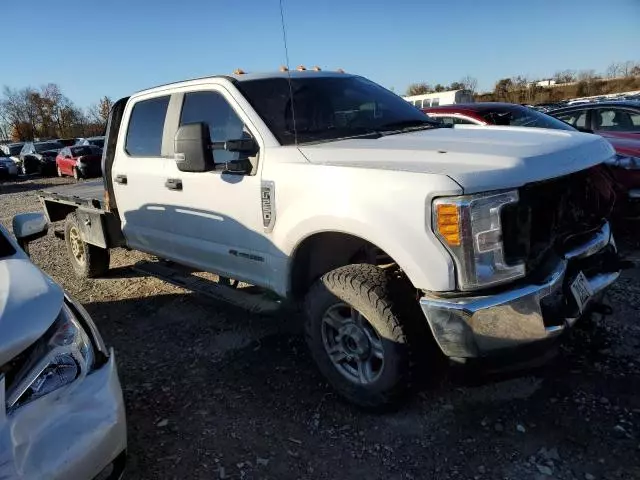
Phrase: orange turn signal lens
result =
(448, 217)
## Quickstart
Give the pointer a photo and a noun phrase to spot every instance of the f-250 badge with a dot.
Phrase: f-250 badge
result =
(268, 205)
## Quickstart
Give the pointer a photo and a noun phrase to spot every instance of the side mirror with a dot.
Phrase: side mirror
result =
(192, 148)
(247, 147)
(28, 227)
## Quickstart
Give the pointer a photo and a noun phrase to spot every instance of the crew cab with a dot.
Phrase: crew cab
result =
(392, 230)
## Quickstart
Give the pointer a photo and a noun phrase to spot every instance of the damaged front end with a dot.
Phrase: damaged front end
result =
(558, 230)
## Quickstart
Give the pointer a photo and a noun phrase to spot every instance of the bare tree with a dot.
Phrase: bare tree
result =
(469, 83)
(418, 89)
(627, 68)
(613, 70)
(565, 76)
(20, 112)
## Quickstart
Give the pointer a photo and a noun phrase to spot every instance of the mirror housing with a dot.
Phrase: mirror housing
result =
(192, 148)
(28, 227)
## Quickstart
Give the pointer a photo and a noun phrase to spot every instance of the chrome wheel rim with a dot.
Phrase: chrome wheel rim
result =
(77, 245)
(352, 344)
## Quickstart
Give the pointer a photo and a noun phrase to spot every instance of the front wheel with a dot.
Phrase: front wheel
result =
(360, 335)
(88, 261)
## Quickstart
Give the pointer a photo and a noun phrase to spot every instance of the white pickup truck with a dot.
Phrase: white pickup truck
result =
(326, 189)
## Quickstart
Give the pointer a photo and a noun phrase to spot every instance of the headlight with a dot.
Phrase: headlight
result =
(469, 227)
(63, 355)
(624, 161)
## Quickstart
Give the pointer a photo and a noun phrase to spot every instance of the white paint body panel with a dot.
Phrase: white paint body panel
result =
(73, 432)
(376, 189)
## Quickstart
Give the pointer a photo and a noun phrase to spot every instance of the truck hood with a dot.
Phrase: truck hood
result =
(29, 304)
(476, 157)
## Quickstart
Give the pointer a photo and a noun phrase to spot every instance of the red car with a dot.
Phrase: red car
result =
(618, 122)
(80, 161)
(625, 167)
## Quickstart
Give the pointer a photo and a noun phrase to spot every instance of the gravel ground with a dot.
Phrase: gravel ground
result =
(215, 392)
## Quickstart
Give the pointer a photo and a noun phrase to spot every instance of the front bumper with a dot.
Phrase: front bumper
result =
(74, 432)
(470, 327)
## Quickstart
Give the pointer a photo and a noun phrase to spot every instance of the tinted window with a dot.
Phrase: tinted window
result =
(144, 136)
(522, 117)
(454, 120)
(44, 146)
(212, 109)
(327, 108)
(616, 120)
(98, 142)
(84, 150)
(577, 118)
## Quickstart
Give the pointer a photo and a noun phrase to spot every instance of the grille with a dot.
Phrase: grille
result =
(555, 215)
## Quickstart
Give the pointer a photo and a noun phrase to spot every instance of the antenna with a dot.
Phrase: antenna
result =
(286, 56)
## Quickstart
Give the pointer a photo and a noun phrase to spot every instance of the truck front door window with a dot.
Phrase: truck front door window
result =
(144, 136)
(224, 124)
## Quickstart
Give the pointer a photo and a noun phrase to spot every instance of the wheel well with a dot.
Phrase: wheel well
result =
(323, 252)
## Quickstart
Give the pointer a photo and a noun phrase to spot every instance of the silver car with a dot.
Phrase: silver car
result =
(61, 409)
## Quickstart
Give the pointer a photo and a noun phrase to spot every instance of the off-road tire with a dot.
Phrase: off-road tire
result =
(389, 305)
(96, 259)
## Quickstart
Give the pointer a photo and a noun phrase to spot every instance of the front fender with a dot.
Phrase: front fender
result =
(389, 209)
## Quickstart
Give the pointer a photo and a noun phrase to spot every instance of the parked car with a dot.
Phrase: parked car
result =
(67, 142)
(608, 119)
(96, 141)
(12, 150)
(79, 162)
(618, 122)
(8, 168)
(39, 157)
(494, 113)
(63, 414)
(214, 174)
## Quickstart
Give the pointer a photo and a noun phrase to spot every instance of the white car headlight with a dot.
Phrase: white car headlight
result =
(63, 355)
(624, 161)
(469, 226)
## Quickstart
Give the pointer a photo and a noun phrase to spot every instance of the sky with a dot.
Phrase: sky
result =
(116, 47)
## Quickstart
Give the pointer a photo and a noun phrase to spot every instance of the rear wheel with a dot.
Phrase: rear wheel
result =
(359, 337)
(88, 261)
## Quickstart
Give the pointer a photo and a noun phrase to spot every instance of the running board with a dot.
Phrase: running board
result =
(249, 298)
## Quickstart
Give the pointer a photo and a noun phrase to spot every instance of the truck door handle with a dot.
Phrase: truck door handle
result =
(121, 179)
(173, 184)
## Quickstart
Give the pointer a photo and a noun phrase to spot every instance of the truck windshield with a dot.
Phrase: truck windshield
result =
(329, 108)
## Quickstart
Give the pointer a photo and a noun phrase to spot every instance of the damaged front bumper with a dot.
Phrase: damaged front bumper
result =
(76, 432)
(479, 326)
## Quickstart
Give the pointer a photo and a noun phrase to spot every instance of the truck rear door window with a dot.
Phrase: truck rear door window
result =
(144, 136)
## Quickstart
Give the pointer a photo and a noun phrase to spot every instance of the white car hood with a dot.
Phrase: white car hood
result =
(478, 158)
(29, 303)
